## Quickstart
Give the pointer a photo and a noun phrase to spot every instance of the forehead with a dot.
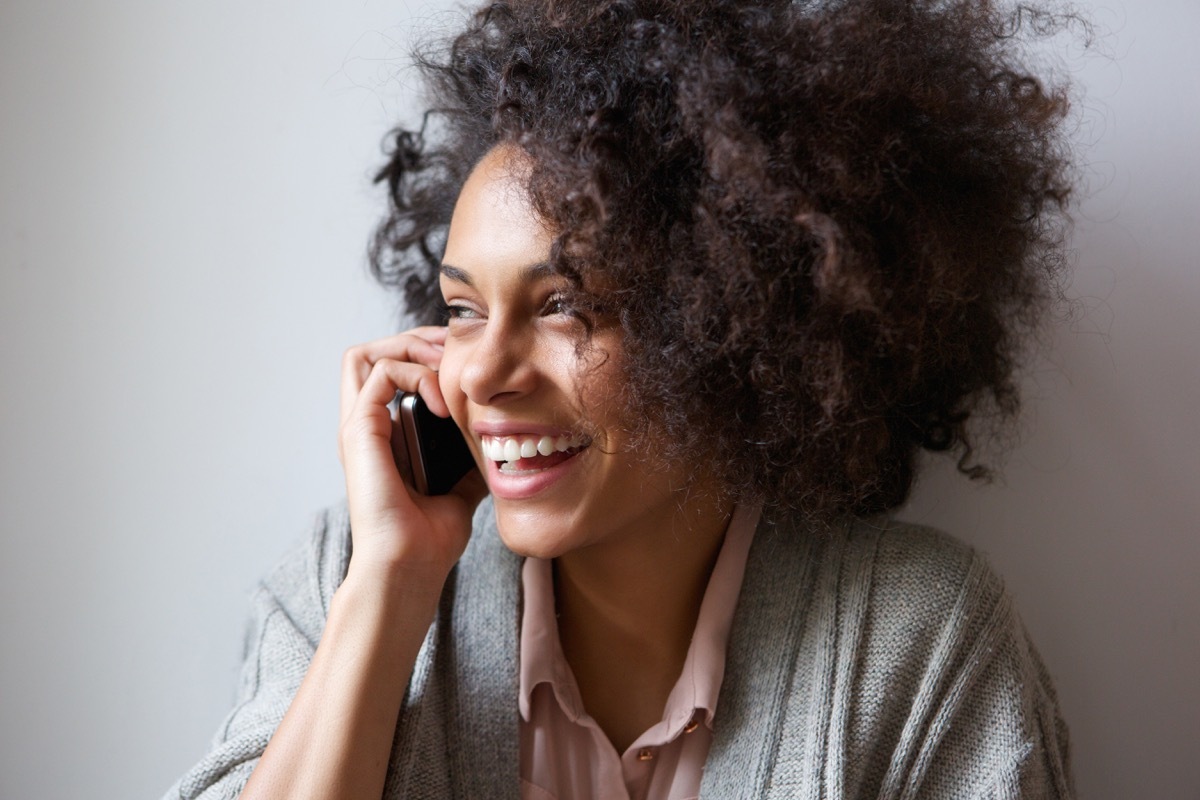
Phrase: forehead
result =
(494, 226)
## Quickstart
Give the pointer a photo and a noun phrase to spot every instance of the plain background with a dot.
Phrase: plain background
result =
(185, 204)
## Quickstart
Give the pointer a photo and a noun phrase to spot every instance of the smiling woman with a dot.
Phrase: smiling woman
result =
(713, 276)
(517, 372)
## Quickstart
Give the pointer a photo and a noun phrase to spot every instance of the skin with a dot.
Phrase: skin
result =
(633, 538)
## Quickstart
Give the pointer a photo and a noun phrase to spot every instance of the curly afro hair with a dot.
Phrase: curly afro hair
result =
(826, 228)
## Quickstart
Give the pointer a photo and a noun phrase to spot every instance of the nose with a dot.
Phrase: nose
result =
(499, 366)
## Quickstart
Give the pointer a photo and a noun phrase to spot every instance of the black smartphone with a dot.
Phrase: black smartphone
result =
(437, 452)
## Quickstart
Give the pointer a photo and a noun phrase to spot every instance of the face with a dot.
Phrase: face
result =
(541, 414)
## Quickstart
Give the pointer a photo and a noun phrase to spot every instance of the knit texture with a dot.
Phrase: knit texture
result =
(873, 660)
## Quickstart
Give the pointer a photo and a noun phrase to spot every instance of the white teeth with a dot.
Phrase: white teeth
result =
(512, 448)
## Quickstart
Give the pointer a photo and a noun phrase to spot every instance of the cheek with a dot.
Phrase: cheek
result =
(449, 382)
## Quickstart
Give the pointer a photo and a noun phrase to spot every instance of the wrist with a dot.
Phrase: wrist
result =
(392, 588)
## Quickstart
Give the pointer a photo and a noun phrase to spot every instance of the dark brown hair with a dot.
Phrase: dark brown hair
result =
(826, 227)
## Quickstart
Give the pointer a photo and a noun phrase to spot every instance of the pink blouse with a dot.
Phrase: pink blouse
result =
(565, 754)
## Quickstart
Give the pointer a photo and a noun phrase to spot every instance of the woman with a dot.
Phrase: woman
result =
(702, 280)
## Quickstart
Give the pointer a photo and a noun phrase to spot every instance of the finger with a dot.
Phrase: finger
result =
(389, 376)
(370, 441)
(419, 346)
(371, 401)
(398, 345)
(434, 334)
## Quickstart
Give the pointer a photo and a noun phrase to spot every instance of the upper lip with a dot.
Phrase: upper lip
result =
(515, 427)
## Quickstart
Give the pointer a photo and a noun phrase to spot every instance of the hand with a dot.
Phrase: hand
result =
(394, 528)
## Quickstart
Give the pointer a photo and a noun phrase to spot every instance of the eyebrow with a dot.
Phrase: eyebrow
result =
(528, 274)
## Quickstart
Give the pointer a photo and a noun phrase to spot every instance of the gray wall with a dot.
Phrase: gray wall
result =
(184, 203)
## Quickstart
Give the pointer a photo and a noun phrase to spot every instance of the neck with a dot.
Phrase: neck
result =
(627, 609)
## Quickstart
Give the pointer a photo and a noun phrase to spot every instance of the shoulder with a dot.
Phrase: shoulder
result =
(944, 636)
(919, 576)
(934, 681)
(921, 604)
(904, 601)
(891, 569)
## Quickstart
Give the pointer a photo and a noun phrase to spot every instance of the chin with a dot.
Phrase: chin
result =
(532, 534)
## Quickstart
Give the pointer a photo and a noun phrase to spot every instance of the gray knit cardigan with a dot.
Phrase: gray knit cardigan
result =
(875, 660)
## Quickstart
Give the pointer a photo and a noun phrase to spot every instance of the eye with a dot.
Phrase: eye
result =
(556, 304)
(461, 312)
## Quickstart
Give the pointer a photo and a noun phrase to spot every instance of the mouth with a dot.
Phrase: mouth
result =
(521, 455)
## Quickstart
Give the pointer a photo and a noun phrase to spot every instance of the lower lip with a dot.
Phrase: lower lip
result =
(509, 486)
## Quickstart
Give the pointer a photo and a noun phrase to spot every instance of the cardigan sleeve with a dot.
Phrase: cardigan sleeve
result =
(982, 720)
(288, 613)
(1006, 736)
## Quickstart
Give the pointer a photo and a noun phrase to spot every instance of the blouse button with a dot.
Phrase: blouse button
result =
(645, 754)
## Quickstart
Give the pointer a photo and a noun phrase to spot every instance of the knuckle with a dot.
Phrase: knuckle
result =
(380, 371)
(393, 367)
